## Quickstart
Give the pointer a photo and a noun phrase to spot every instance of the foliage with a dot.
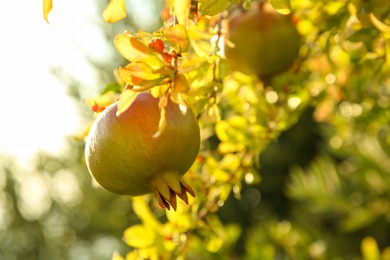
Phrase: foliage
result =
(334, 203)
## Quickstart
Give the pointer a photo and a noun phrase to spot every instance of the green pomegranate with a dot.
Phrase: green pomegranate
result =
(125, 156)
(262, 42)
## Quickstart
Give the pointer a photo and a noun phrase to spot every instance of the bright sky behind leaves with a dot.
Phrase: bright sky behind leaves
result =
(35, 111)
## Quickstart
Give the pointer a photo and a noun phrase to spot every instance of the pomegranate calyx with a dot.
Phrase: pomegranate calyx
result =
(167, 186)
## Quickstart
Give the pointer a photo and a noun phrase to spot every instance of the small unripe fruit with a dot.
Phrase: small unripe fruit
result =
(262, 42)
(125, 156)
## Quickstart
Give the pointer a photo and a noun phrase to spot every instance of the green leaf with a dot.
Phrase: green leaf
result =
(47, 6)
(359, 218)
(112, 87)
(222, 68)
(114, 11)
(135, 50)
(139, 236)
(213, 7)
(387, 50)
(281, 6)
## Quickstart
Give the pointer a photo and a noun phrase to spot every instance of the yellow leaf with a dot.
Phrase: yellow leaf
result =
(142, 75)
(181, 219)
(386, 253)
(143, 211)
(135, 50)
(177, 98)
(181, 84)
(103, 100)
(47, 6)
(385, 30)
(369, 248)
(182, 8)
(379, 24)
(161, 124)
(214, 243)
(114, 11)
(125, 101)
(133, 255)
(162, 88)
(139, 236)
(178, 38)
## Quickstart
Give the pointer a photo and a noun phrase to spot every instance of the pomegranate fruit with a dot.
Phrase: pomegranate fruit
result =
(125, 156)
(262, 42)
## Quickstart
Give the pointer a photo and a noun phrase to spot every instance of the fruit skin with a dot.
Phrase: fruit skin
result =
(266, 42)
(124, 157)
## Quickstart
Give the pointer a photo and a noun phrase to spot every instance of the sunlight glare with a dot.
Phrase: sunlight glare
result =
(36, 113)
